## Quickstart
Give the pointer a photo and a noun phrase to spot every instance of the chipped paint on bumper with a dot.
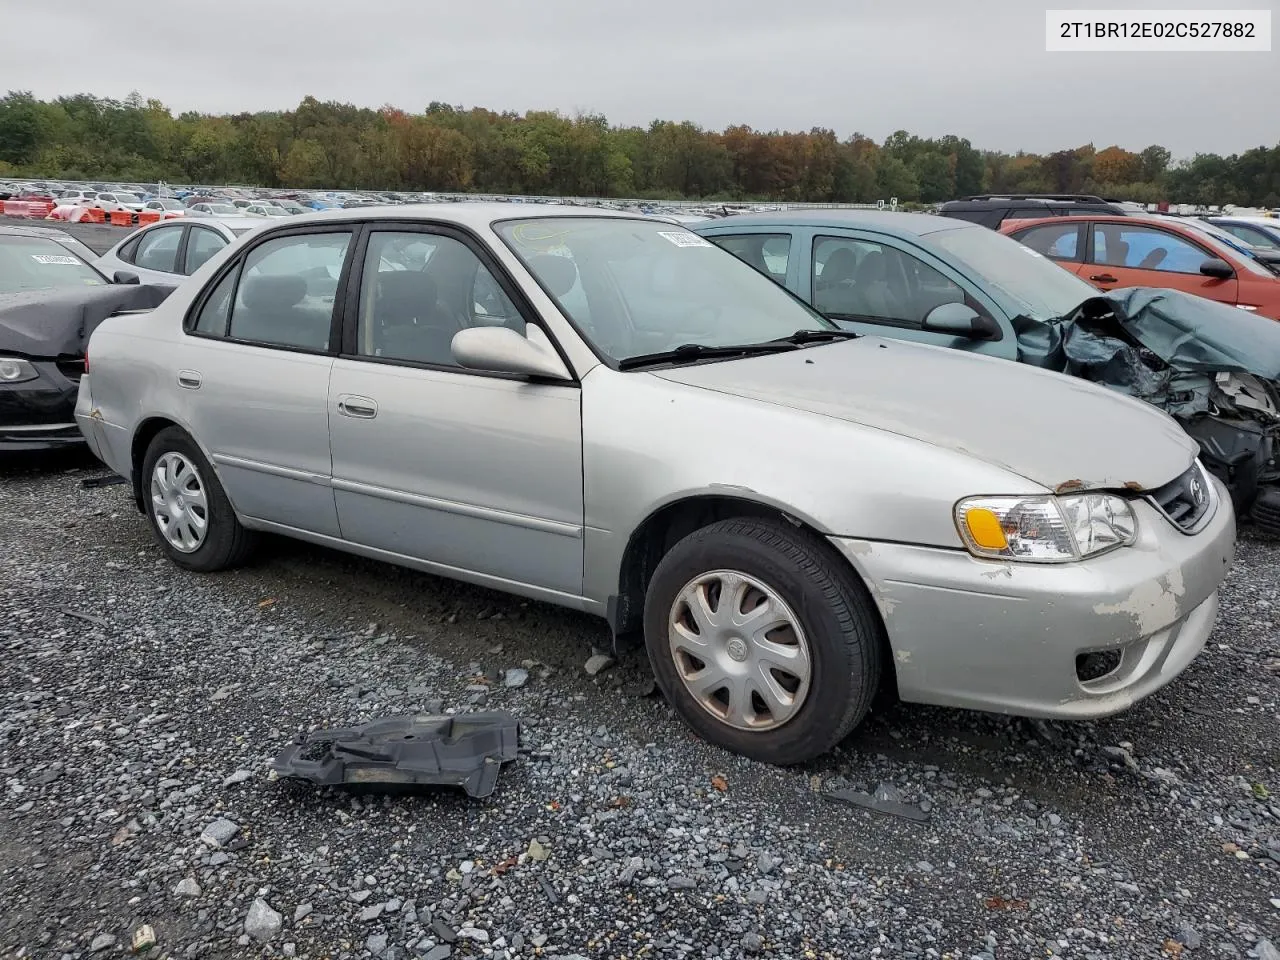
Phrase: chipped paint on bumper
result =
(1004, 637)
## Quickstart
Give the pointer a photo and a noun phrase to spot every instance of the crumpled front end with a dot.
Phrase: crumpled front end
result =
(1215, 368)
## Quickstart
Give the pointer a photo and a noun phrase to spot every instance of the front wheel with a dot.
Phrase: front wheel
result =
(764, 642)
(189, 511)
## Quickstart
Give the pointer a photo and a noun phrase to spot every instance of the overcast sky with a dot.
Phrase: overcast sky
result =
(976, 68)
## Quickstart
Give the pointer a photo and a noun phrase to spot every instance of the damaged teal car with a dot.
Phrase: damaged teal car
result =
(956, 284)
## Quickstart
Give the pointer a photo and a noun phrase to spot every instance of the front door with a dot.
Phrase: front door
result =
(1140, 255)
(469, 471)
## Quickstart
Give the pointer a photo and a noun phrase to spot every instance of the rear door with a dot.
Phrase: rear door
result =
(256, 368)
(1064, 243)
(1142, 255)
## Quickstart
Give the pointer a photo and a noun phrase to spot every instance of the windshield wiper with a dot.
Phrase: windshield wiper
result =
(816, 336)
(688, 352)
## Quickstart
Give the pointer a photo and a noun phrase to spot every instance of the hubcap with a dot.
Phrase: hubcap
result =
(178, 502)
(739, 650)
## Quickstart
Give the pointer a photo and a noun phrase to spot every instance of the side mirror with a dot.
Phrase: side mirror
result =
(502, 350)
(124, 276)
(960, 320)
(1218, 269)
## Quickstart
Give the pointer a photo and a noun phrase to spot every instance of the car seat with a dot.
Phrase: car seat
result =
(409, 323)
(267, 311)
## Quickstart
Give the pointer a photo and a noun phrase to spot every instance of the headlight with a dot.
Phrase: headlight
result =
(1045, 529)
(13, 370)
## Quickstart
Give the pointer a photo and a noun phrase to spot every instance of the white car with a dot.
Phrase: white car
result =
(214, 210)
(167, 251)
(166, 207)
(264, 210)
(82, 197)
(117, 200)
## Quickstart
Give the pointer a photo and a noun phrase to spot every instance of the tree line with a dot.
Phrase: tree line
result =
(455, 149)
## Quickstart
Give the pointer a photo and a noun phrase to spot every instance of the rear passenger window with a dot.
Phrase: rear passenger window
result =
(1058, 241)
(769, 253)
(217, 309)
(201, 245)
(287, 289)
(158, 249)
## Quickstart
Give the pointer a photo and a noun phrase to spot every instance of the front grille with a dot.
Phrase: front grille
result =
(71, 369)
(1186, 500)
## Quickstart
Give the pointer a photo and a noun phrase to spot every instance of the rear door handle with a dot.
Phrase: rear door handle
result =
(190, 379)
(1104, 278)
(362, 408)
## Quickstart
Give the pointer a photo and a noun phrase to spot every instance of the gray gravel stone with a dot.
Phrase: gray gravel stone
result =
(441, 952)
(515, 677)
(219, 833)
(262, 922)
(103, 941)
(187, 887)
(598, 663)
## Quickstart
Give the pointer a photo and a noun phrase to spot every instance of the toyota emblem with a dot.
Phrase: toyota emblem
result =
(1198, 494)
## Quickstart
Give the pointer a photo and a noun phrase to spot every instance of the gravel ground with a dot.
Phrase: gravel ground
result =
(143, 702)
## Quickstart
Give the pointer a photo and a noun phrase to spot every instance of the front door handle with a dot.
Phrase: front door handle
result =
(1104, 278)
(189, 379)
(362, 408)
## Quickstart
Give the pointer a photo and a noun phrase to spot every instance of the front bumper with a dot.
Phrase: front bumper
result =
(1005, 637)
(39, 414)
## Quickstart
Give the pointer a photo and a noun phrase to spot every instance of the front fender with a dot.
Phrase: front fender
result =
(648, 442)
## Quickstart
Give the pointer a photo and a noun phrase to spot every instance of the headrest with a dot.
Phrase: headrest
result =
(558, 274)
(839, 266)
(872, 267)
(406, 291)
(273, 292)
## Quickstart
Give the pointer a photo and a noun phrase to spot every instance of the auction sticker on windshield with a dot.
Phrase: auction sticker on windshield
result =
(53, 258)
(684, 238)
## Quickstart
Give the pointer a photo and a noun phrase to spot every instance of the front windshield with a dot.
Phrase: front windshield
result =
(636, 287)
(223, 208)
(36, 263)
(171, 204)
(1029, 283)
(128, 198)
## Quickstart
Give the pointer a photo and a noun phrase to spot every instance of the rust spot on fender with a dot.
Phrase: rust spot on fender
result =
(1067, 486)
(1133, 485)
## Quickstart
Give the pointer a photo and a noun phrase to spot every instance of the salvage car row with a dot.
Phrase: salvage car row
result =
(796, 508)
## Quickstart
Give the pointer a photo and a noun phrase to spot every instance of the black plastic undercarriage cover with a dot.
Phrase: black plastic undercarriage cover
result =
(465, 750)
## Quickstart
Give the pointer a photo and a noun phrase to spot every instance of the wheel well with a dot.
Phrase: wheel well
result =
(665, 527)
(142, 438)
(659, 533)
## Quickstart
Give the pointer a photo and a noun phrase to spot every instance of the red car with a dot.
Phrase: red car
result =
(1126, 251)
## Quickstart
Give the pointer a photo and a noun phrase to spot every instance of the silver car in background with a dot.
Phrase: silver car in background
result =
(610, 413)
(167, 251)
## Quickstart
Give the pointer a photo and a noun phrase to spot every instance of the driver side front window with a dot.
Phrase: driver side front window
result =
(856, 279)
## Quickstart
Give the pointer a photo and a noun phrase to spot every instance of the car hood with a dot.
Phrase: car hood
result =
(1057, 431)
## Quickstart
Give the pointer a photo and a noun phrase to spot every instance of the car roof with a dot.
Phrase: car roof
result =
(1127, 219)
(474, 215)
(1232, 218)
(883, 221)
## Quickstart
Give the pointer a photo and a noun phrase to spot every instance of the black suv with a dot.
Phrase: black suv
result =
(991, 210)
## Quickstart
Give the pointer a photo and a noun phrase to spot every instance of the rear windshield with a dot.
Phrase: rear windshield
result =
(34, 263)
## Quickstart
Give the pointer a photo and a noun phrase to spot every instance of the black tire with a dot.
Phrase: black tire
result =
(226, 544)
(835, 610)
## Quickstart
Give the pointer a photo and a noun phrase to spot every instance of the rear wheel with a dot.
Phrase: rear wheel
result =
(189, 511)
(765, 643)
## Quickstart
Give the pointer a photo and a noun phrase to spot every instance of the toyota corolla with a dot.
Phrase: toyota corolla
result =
(610, 413)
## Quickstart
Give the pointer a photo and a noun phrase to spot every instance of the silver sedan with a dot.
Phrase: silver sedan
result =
(610, 413)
